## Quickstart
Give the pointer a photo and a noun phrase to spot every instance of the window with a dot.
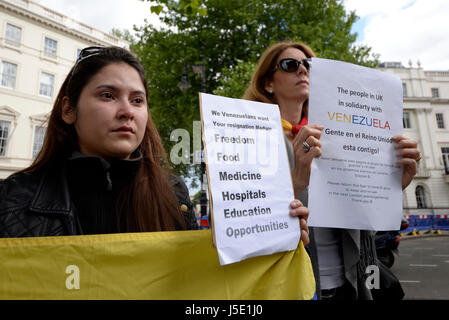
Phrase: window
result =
(13, 35)
(78, 51)
(435, 93)
(440, 120)
(4, 134)
(445, 153)
(406, 120)
(404, 89)
(50, 47)
(46, 84)
(420, 197)
(8, 74)
(39, 134)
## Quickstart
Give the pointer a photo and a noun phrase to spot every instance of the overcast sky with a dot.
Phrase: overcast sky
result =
(399, 30)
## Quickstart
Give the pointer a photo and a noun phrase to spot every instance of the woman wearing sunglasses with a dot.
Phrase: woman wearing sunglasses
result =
(102, 168)
(339, 257)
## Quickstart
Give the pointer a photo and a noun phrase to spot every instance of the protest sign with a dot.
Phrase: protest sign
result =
(249, 178)
(356, 184)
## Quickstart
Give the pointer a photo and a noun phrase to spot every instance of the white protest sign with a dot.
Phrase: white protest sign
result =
(249, 178)
(356, 184)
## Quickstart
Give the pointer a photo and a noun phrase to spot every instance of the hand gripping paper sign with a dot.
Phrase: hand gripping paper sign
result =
(356, 183)
(249, 178)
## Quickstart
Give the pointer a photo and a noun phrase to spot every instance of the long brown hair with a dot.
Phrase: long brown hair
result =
(149, 203)
(264, 72)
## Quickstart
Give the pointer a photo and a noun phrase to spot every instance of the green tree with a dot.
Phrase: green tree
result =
(234, 79)
(123, 34)
(231, 34)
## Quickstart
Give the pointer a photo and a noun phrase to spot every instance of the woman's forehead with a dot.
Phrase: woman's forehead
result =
(118, 74)
(292, 53)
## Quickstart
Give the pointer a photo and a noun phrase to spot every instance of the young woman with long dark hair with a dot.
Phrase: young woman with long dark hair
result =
(102, 167)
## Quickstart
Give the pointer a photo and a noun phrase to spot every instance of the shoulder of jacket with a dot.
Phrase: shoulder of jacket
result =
(18, 190)
(186, 206)
(20, 181)
(175, 180)
(179, 185)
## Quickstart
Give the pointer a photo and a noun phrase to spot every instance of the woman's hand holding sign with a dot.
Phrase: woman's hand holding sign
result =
(409, 156)
(298, 210)
(306, 146)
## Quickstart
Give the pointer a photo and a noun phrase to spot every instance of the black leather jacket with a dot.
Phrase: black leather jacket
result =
(38, 204)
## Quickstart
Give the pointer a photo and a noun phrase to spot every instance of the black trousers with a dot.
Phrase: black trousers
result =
(343, 293)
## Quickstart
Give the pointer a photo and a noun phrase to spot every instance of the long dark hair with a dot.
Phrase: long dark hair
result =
(149, 203)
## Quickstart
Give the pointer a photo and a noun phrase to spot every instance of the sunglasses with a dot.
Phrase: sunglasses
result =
(88, 52)
(292, 65)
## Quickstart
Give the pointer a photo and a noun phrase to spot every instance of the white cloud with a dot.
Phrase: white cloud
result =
(105, 14)
(366, 8)
(401, 30)
(398, 30)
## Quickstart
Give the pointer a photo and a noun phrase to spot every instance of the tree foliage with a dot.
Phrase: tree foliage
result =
(123, 34)
(234, 79)
(231, 34)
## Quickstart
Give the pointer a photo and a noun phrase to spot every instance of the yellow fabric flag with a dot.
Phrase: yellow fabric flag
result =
(157, 265)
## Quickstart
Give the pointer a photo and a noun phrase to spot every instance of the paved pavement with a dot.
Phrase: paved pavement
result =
(423, 267)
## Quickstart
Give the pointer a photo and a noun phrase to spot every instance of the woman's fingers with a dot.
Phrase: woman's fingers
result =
(304, 232)
(298, 210)
(306, 146)
(313, 130)
(303, 225)
(314, 152)
(408, 153)
(313, 142)
(404, 142)
(308, 143)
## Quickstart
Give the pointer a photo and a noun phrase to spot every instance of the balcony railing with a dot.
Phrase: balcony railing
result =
(433, 74)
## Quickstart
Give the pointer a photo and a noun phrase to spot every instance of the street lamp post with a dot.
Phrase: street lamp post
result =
(184, 85)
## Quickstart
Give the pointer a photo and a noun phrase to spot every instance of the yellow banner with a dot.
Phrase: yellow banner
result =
(159, 265)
